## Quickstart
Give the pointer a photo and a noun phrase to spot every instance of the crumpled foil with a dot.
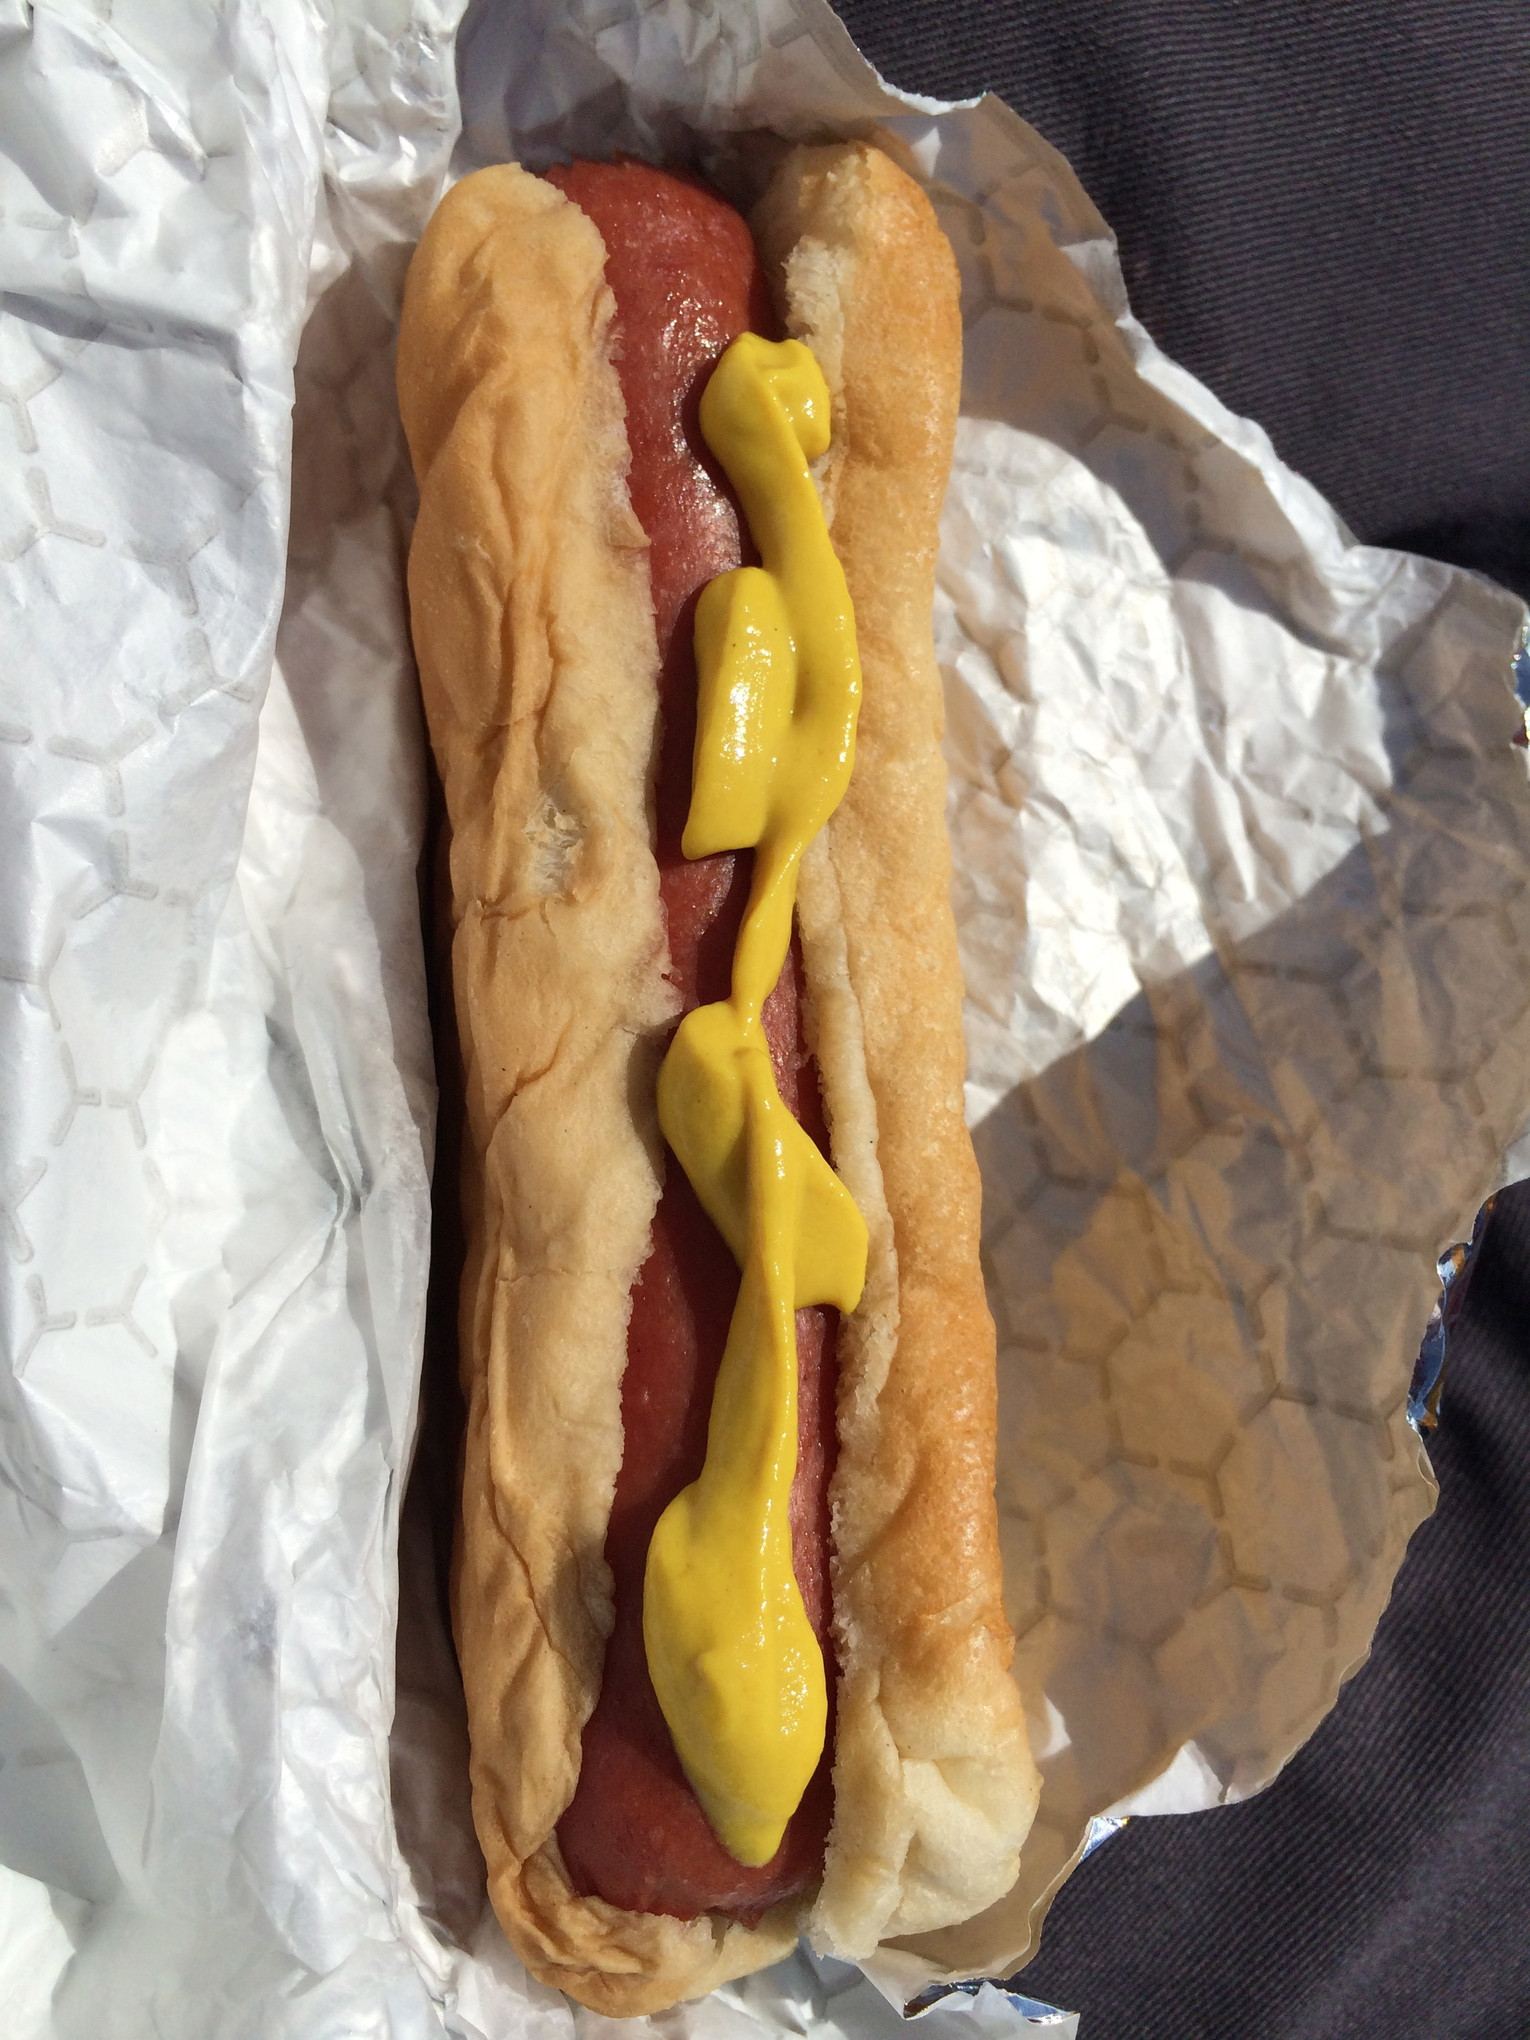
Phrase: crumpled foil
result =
(1240, 836)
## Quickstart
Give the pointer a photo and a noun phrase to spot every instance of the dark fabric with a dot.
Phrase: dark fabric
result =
(1380, 1889)
(1323, 212)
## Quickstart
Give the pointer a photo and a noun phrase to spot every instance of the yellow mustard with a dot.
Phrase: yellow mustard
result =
(734, 1661)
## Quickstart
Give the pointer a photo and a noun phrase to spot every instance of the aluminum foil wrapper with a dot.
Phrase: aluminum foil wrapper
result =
(1240, 838)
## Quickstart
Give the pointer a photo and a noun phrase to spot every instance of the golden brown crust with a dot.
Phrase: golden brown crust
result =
(534, 632)
(535, 640)
(934, 1784)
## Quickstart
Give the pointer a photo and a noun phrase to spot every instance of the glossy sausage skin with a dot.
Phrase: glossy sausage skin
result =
(686, 278)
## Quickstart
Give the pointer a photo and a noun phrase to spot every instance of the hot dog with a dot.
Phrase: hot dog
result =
(687, 279)
(558, 339)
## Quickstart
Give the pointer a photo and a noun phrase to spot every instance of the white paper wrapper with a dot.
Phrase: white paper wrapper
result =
(1240, 842)
(217, 1076)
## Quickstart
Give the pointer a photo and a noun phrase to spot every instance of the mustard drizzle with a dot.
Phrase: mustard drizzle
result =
(736, 1666)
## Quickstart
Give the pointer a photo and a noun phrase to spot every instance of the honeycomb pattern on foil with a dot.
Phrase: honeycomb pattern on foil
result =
(1210, 1222)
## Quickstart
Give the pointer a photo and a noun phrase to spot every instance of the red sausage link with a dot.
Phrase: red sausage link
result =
(686, 278)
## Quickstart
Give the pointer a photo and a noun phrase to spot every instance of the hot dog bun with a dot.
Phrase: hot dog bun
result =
(538, 662)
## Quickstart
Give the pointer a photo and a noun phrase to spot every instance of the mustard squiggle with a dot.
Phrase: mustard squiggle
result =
(735, 1664)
